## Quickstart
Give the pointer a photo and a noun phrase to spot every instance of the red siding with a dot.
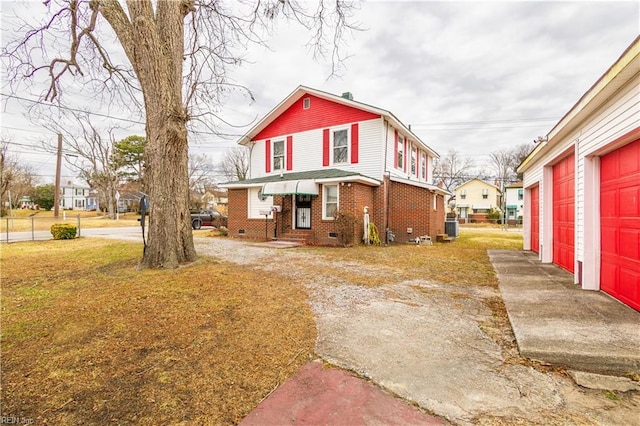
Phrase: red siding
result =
(354, 143)
(564, 213)
(325, 147)
(534, 193)
(267, 156)
(321, 113)
(620, 224)
(289, 152)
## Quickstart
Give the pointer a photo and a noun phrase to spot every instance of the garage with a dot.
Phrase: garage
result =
(534, 193)
(564, 213)
(620, 224)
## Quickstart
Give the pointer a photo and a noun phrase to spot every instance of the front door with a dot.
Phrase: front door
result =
(303, 211)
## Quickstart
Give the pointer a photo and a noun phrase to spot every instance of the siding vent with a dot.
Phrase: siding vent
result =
(241, 231)
(333, 235)
(306, 103)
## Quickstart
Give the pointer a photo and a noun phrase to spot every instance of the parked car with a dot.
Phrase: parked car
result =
(208, 218)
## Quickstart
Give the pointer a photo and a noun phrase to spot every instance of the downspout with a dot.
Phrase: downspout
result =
(385, 181)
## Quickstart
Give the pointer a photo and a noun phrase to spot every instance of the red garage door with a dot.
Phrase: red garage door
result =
(620, 224)
(534, 193)
(563, 213)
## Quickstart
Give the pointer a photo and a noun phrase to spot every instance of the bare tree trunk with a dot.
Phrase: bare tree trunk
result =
(170, 239)
(154, 43)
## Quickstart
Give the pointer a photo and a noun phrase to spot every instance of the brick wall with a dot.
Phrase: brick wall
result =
(412, 207)
(409, 207)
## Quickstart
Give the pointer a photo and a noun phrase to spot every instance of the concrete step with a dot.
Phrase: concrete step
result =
(444, 238)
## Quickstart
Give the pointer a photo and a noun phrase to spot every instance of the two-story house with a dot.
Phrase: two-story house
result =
(73, 196)
(475, 199)
(514, 203)
(316, 154)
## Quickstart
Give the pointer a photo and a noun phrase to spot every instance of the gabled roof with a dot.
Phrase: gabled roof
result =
(479, 180)
(302, 90)
(619, 74)
(514, 185)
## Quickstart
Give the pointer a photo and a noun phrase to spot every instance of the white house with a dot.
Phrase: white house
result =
(74, 197)
(514, 203)
(582, 186)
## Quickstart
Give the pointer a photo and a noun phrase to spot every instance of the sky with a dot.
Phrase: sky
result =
(475, 77)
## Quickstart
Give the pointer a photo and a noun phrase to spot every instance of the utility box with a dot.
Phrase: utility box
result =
(451, 227)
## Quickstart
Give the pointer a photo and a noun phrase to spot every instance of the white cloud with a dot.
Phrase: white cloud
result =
(432, 63)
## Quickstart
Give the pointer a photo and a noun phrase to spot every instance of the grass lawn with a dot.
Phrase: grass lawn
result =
(89, 339)
(463, 262)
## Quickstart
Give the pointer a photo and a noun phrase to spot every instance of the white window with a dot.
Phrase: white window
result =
(520, 194)
(463, 194)
(414, 161)
(278, 155)
(435, 201)
(330, 201)
(340, 146)
(400, 152)
(306, 103)
(485, 194)
(423, 164)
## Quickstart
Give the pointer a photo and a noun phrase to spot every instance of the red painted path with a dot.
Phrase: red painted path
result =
(316, 395)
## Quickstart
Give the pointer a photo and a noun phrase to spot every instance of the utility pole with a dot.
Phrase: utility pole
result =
(56, 194)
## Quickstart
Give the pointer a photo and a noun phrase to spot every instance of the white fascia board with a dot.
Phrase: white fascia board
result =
(355, 178)
(240, 185)
(425, 185)
(620, 73)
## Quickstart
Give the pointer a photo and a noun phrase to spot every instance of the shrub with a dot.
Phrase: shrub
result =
(223, 231)
(345, 223)
(63, 231)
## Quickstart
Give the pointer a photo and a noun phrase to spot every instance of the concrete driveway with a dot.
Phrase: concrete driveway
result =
(439, 346)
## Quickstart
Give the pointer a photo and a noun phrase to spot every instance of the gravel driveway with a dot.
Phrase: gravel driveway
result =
(440, 346)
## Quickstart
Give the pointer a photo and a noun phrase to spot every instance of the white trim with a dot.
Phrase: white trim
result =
(332, 132)
(546, 211)
(591, 264)
(273, 155)
(324, 200)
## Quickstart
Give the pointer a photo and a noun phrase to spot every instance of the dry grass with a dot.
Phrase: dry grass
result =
(464, 261)
(89, 339)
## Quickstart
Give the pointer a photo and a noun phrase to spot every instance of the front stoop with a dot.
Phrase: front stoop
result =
(444, 238)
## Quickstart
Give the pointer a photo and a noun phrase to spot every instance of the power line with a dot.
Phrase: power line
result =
(97, 114)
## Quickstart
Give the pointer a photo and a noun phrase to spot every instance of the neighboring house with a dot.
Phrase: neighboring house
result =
(582, 186)
(215, 198)
(73, 197)
(475, 199)
(316, 154)
(514, 203)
